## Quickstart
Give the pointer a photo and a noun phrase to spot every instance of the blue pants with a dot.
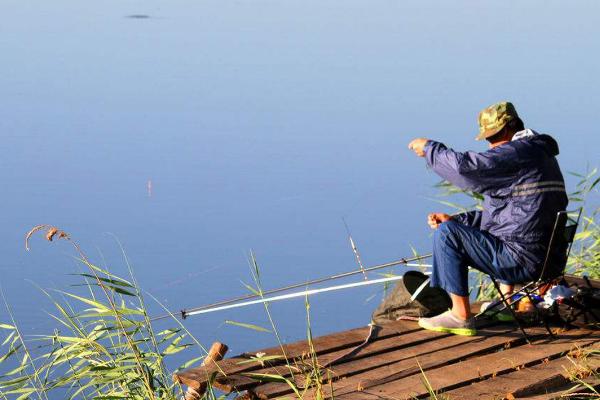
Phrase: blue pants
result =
(457, 246)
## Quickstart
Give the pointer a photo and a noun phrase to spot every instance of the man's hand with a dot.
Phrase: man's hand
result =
(435, 219)
(418, 146)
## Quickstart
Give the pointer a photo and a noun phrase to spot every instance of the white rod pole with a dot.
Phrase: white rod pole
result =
(420, 289)
(296, 294)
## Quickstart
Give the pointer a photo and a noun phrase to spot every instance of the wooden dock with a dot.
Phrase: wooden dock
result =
(401, 361)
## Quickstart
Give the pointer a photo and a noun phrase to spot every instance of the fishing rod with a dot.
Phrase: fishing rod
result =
(409, 262)
(303, 293)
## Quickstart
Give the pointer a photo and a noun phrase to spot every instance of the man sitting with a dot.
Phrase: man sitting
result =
(523, 189)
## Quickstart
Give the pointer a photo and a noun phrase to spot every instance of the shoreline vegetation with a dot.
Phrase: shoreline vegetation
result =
(103, 345)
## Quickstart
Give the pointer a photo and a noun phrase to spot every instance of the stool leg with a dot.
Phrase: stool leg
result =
(507, 305)
(544, 317)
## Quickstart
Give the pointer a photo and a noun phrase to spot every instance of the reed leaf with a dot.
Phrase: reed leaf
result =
(248, 326)
(106, 348)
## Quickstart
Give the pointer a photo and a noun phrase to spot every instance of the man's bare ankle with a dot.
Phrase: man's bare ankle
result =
(461, 316)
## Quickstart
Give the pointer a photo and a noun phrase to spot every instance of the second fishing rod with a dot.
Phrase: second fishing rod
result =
(402, 261)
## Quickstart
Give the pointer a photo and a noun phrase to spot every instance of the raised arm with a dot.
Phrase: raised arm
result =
(479, 172)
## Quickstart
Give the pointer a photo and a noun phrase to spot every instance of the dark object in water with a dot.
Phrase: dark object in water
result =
(138, 16)
(398, 303)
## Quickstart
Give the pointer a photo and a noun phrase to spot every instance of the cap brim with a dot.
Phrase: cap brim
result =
(488, 133)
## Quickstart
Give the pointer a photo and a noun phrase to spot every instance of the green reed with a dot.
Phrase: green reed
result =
(585, 253)
(103, 345)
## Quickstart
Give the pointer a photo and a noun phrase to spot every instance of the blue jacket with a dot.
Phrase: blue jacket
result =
(522, 186)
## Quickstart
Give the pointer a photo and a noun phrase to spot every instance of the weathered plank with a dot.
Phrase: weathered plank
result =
(360, 357)
(572, 390)
(476, 368)
(538, 379)
(401, 364)
(195, 377)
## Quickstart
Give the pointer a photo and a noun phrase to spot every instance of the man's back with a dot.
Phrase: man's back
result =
(522, 185)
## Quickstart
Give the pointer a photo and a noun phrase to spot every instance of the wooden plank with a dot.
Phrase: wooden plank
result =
(437, 353)
(476, 368)
(195, 377)
(538, 379)
(558, 392)
(400, 363)
(572, 390)
(342, 340)
(391, 356)
(579, 281)
(374, 351)
(244, 381)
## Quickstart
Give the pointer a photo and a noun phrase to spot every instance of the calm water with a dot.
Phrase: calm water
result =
(260, 125)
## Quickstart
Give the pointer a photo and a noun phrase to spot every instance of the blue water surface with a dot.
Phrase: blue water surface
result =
(260, 124)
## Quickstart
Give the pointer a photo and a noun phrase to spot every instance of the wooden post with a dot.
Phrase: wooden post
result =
(216, 353)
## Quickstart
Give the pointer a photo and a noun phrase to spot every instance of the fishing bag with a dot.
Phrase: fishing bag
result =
(583, 308)
(430, 301)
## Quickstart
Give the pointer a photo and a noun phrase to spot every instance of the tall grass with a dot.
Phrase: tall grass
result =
(304, 373)
(104, 346)
(585, 254)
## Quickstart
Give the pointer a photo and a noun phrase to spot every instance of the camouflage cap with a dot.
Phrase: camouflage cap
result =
(494, 118)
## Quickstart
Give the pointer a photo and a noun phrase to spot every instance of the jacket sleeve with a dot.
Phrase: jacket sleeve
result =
(479, 172)
(469, 218)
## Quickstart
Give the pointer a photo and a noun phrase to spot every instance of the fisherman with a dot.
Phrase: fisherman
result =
(523, 189)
